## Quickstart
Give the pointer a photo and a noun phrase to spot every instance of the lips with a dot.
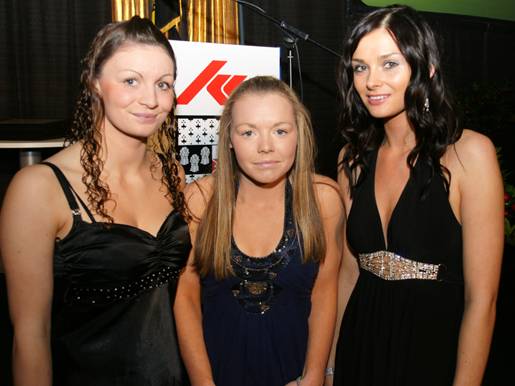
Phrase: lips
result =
(377, 99)
(145, 117)
(266, 164)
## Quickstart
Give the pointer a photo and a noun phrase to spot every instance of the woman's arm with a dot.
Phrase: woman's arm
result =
(187, 308)
(28, 227)
(482, 212)
(348, 274)
(324, 296)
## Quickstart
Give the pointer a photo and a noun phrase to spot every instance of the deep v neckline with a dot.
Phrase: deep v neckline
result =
(385, 231)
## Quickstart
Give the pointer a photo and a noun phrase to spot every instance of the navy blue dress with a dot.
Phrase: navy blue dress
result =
(403, 332)
(114, 287)
(256, 322)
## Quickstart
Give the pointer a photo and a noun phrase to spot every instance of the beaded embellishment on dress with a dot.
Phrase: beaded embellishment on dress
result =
(105, 295)
(257, 288)
(390, 266)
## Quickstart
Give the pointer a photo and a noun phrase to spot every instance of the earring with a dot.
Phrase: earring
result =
(426, 106)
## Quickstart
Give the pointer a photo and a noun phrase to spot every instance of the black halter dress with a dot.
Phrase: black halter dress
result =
(402, 321)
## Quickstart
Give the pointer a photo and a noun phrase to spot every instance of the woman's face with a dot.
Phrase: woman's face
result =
(381, 74)
(264, 137)
(136, 86)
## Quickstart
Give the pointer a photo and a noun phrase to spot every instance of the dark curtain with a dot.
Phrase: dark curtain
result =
(41, 45)
(477, 57)
(323, 21)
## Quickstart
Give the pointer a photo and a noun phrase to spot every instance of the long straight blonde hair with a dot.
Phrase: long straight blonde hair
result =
(214, 235)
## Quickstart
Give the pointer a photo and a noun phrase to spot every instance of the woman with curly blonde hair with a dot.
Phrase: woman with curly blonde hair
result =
(93, 239)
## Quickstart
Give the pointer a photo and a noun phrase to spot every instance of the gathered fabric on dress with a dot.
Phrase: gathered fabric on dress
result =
(256, 321)
(114, 287)
(403, 332)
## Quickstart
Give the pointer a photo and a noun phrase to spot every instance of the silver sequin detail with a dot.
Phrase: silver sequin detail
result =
(389, 266)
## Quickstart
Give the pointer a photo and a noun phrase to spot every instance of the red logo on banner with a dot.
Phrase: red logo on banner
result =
(219, 86)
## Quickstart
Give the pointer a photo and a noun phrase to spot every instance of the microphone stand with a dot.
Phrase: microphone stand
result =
(285, 26)
(292, 35)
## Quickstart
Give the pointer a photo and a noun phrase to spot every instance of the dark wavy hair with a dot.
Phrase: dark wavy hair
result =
(89, 114)
(434, 130)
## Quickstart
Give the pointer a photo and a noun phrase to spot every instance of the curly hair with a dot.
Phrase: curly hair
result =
(435, 128)
(89, 115)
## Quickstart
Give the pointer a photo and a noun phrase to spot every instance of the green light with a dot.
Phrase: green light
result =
(494, 9)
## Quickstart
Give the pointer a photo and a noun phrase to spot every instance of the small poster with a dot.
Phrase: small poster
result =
(207, 73)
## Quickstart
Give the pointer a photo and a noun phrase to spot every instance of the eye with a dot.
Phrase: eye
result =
(246, 133)
(130, 81)
(390, 64)
(164, 86)
(359, 68)
(281, 131)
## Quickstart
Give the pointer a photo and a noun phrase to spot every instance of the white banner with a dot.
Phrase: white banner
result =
(208, 72)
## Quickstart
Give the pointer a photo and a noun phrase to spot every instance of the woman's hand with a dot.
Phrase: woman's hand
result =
(307, 381)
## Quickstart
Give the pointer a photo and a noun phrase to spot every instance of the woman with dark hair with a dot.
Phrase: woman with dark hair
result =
(425, 222)
(256, 305)
(93, 239)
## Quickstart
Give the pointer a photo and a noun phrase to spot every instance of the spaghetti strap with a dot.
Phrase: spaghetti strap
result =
(70, 193)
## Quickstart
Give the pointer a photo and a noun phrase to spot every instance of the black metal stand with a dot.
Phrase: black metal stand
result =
(290, 44)
(285, 26)
(292, 35)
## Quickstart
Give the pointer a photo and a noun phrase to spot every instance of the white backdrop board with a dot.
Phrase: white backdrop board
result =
(206, 75)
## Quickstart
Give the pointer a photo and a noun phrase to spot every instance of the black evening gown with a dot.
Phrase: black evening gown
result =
(256, 322)
(403, 332)
(112, 321)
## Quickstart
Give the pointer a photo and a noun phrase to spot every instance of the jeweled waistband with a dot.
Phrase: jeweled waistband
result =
(390, 266)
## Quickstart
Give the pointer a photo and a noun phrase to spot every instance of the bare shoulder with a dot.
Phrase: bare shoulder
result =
(34, 193)
(472, 153)
(474, 146)
(36, 180)
(325, 185)
(198, 193)
(328, 192)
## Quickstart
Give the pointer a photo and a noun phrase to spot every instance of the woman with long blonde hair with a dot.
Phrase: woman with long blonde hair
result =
(258, 299)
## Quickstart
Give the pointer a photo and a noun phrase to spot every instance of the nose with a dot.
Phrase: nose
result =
(265, 144)
(374, 78)
(148, 96)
